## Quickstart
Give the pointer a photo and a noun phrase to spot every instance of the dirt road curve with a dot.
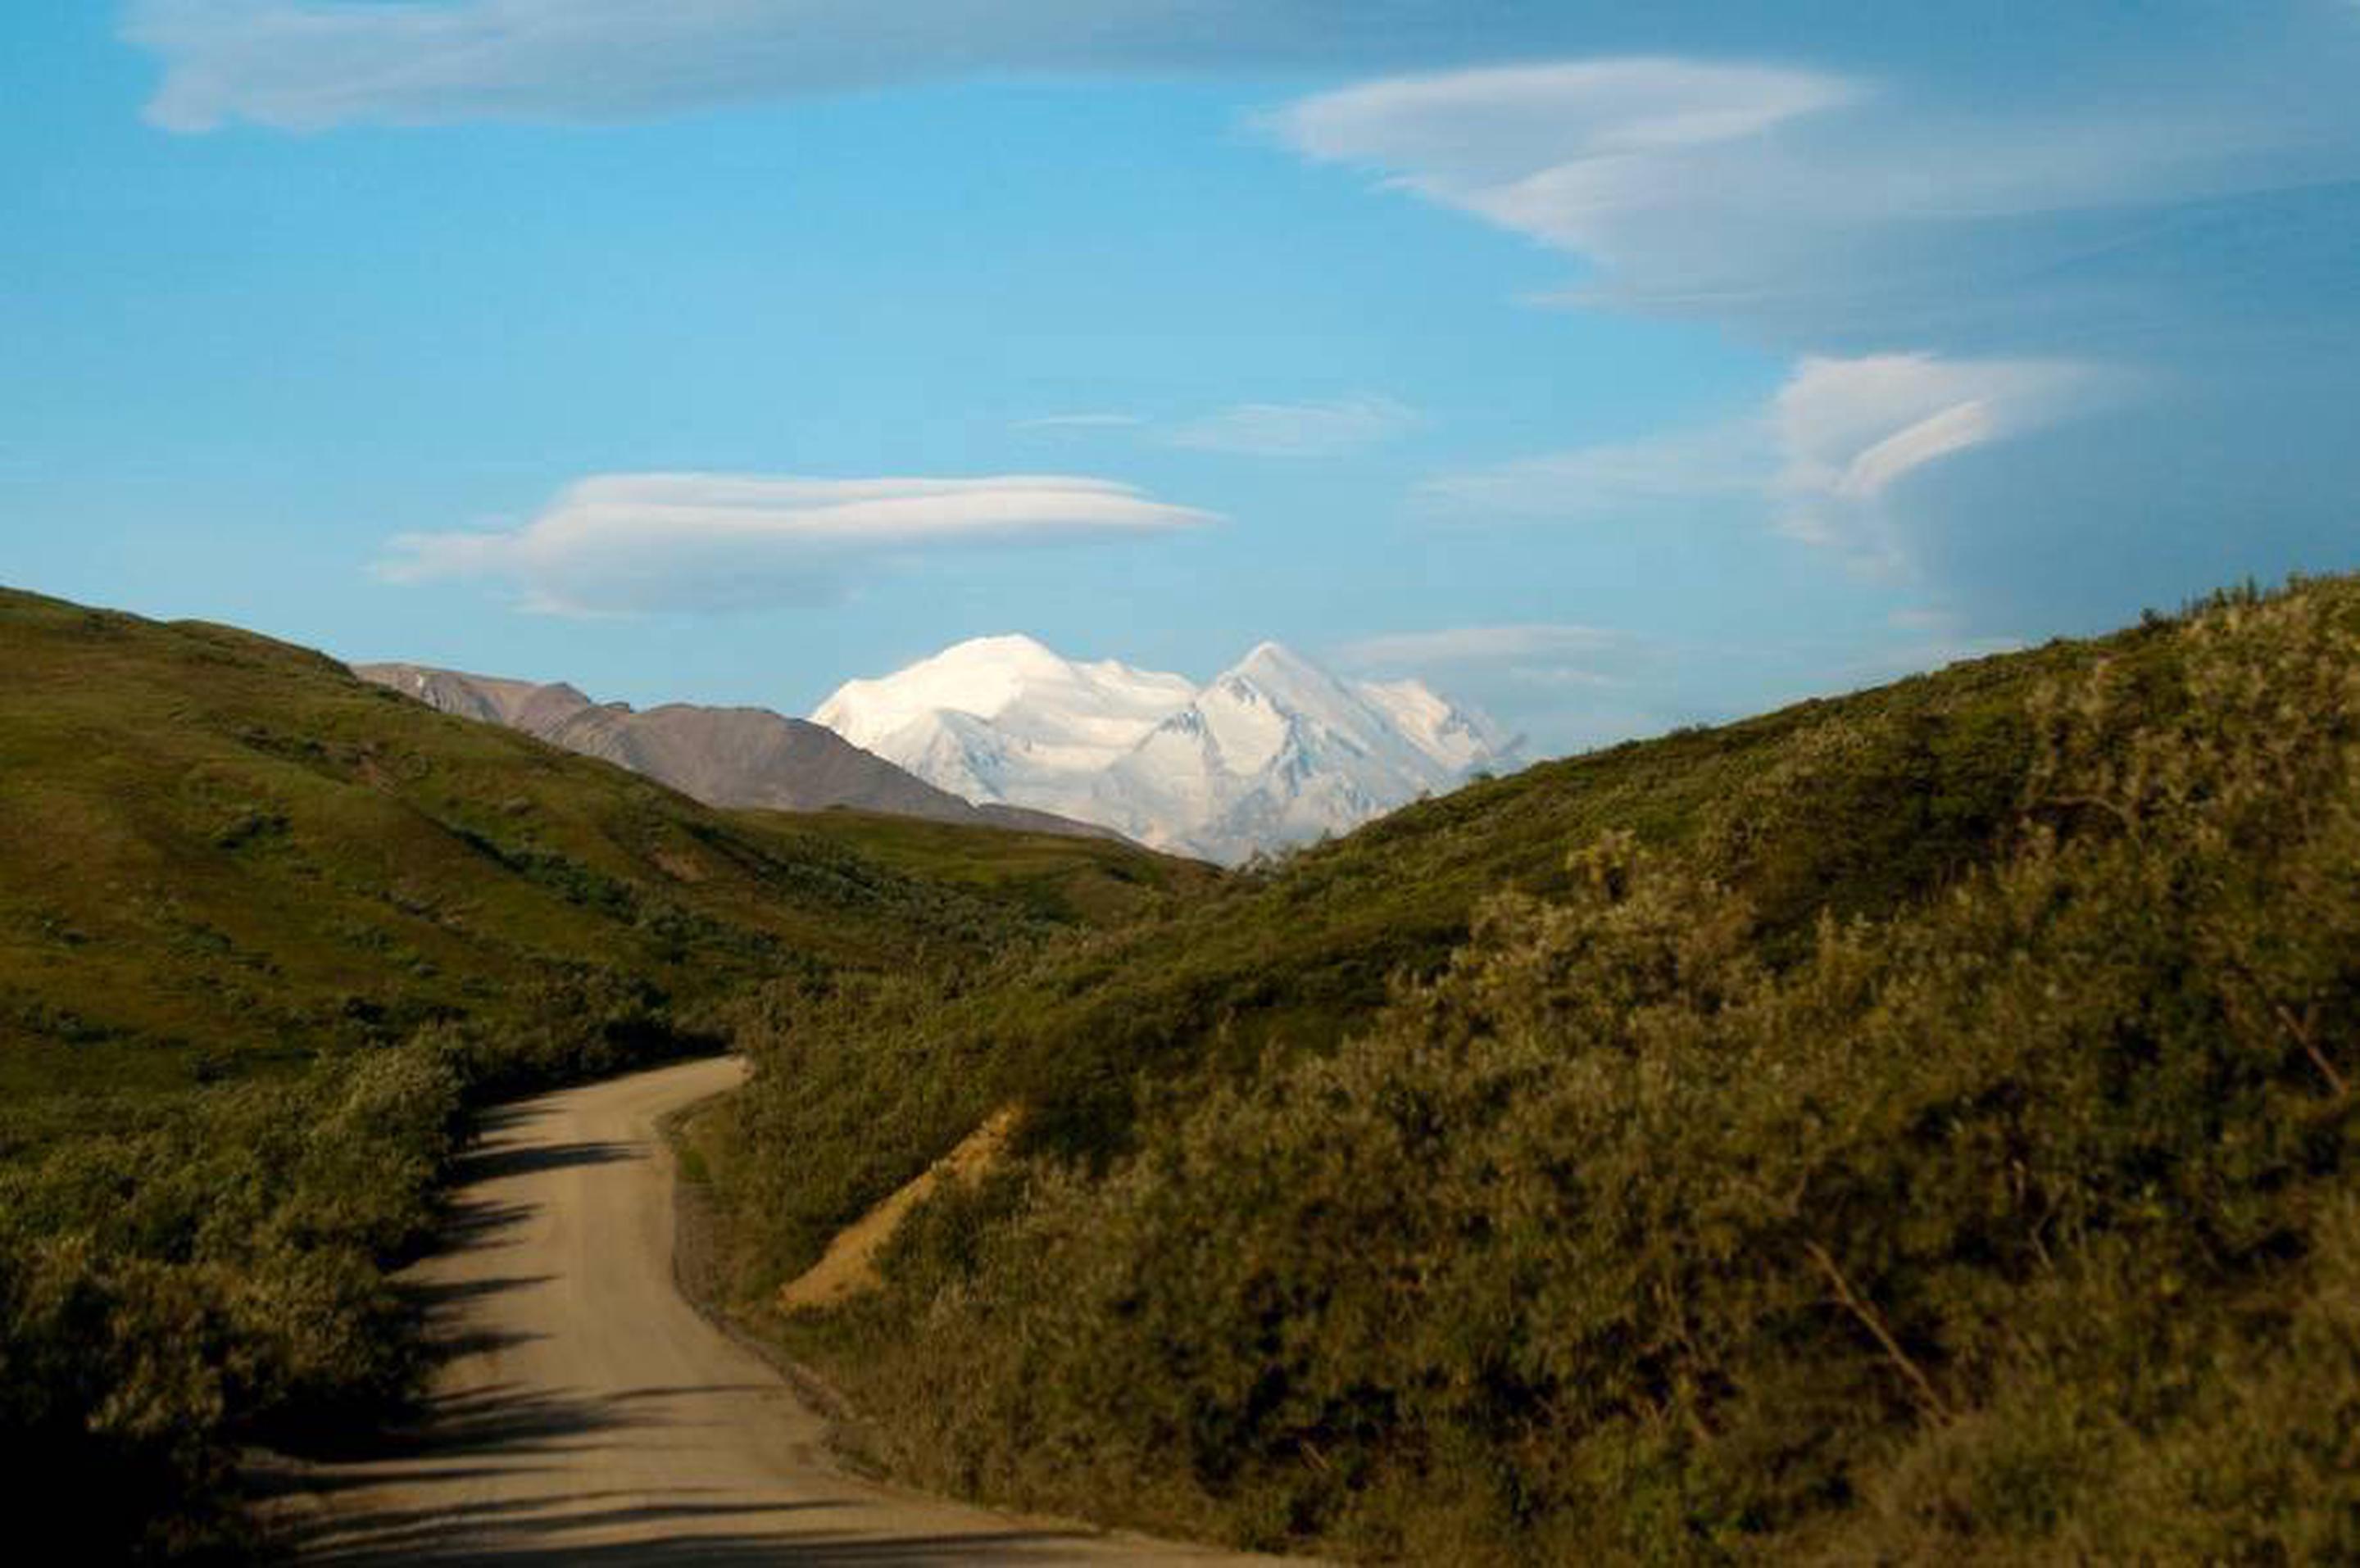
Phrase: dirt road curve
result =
(586, 1414)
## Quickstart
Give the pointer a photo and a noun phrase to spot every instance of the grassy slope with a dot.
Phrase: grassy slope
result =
(1056, 877)
(217, 849)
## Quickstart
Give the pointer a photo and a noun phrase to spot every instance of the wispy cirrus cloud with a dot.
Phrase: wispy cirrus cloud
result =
(311, 64)
(1108, 419)
(1479, 645)
(1576, 153)
(1823, 460)
(2176, 191)
(1954, 273)
(1311, 429)
(1678, 471)
(626, 544)
(1511, 667)
(1826, 206)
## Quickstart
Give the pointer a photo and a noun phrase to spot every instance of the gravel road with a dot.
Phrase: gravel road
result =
(584, 1414)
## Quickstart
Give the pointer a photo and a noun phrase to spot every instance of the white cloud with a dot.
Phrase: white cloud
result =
(2169, 200)
(629, 542)
(308, 64)
(1297, 430)
(1822, 461)
(1851, 429)
(1573, 153)
(1813, 204)
(1479, 645)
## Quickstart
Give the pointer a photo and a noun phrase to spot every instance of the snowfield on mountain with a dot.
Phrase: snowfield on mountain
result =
(1274, 751)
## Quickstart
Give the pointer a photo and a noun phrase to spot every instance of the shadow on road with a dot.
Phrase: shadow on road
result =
(501, 1161)
(474, 1223)
(555, 1537)
(511, 1464)
(467, 1438)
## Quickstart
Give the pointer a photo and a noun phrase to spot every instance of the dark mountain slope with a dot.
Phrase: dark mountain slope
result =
(723, 757)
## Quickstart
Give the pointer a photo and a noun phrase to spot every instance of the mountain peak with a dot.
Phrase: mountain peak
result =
(1006, 718)
(1000, 647)
(1274, 750)
(1277, 670)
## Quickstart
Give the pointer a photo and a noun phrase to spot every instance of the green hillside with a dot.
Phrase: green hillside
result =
(266, 932)
(1852, 806)
(215, 849)
(1914, 1127)
(1057, 878)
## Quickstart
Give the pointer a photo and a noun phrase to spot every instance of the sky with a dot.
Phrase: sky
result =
(1610, 366)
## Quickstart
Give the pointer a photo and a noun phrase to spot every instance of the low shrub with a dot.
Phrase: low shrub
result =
(2016, 1221)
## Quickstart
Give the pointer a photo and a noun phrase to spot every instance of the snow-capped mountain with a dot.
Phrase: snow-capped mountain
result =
(1272, 752)
(1004, 718)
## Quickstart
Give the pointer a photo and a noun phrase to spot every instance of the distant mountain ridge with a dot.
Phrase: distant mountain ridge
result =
(1273, 751)
(723, 756)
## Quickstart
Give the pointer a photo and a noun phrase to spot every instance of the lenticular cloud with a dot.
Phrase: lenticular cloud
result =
(620, 543)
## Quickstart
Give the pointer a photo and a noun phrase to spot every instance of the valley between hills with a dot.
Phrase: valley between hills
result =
(1913, 1125)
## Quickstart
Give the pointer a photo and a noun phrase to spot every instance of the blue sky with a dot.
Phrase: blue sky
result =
(1612, 367)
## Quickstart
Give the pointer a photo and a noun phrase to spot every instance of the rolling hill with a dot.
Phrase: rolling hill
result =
(1914, 1126)
(267, 934)
(215, 849)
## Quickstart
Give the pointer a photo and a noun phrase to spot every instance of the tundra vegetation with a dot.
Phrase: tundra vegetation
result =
(1918, 1127)
(266, 934)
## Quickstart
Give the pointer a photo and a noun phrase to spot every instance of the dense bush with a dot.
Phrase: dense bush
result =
(214, 1272)
(212, 1278)
(2014, 1220)
(1854, 805)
